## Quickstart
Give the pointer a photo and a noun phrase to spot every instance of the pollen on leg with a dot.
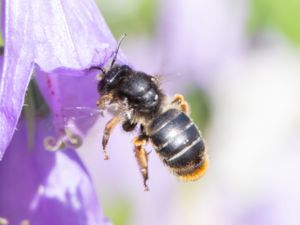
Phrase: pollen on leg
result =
(139, 142)
(142, 158)
(197, 173)
(185, 108)
(182, 104)
(178, 98)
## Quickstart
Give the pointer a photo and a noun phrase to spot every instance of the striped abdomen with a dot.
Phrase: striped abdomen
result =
(178, 142)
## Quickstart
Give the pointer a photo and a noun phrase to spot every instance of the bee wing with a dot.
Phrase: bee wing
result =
(71, 124)
(80, 113)
(82, 117)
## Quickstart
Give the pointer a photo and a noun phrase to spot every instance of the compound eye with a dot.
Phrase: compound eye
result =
(125, 67)
(100, 86)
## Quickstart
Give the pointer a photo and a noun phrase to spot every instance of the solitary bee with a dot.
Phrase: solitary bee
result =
(163, 121)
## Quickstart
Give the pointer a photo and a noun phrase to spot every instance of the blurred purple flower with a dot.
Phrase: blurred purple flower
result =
(39, 187)
(207, 34)
(57, 41)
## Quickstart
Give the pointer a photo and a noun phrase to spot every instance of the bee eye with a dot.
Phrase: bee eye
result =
(100, 76)
(100, 85)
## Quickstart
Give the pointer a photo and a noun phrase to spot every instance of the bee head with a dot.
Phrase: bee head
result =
(111, 78)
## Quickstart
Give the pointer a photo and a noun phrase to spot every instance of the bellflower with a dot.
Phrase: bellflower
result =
(57, 41)
(55, 37)
(45, 188)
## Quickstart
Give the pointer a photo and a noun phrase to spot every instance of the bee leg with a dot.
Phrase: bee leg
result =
(142, 157)
(107, 131)
(179, 100)
(128, 125)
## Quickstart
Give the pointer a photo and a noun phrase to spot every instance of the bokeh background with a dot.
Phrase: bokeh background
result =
(238, 65)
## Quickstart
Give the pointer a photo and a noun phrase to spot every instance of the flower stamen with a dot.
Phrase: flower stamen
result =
(68, 139)
(51, 144)
(73, 138)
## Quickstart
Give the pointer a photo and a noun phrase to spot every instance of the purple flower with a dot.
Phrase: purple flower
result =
(207, 34)
(57, 41)
(58, 38)
(42, 187)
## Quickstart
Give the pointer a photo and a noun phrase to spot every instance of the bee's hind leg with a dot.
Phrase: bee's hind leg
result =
(142, 157)
(179, 100)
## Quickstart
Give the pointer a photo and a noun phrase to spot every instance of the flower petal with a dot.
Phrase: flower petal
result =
(68, 92)
(45, 187)
(66, 36)
(12, 90)
(62, 34)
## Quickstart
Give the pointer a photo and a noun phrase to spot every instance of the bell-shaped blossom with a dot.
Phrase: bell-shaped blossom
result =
(39, 187)
(56, 37)
(55, 43)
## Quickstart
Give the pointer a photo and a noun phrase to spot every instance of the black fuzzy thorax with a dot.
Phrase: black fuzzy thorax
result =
(141, 93)
(138, 89)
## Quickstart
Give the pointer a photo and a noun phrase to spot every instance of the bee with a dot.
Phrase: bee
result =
(164, 121)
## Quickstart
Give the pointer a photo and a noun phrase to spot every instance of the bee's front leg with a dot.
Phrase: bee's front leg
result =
(110, 125)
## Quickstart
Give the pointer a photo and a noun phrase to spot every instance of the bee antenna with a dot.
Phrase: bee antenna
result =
(99, 76)
(117, 50)
(98, 68)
